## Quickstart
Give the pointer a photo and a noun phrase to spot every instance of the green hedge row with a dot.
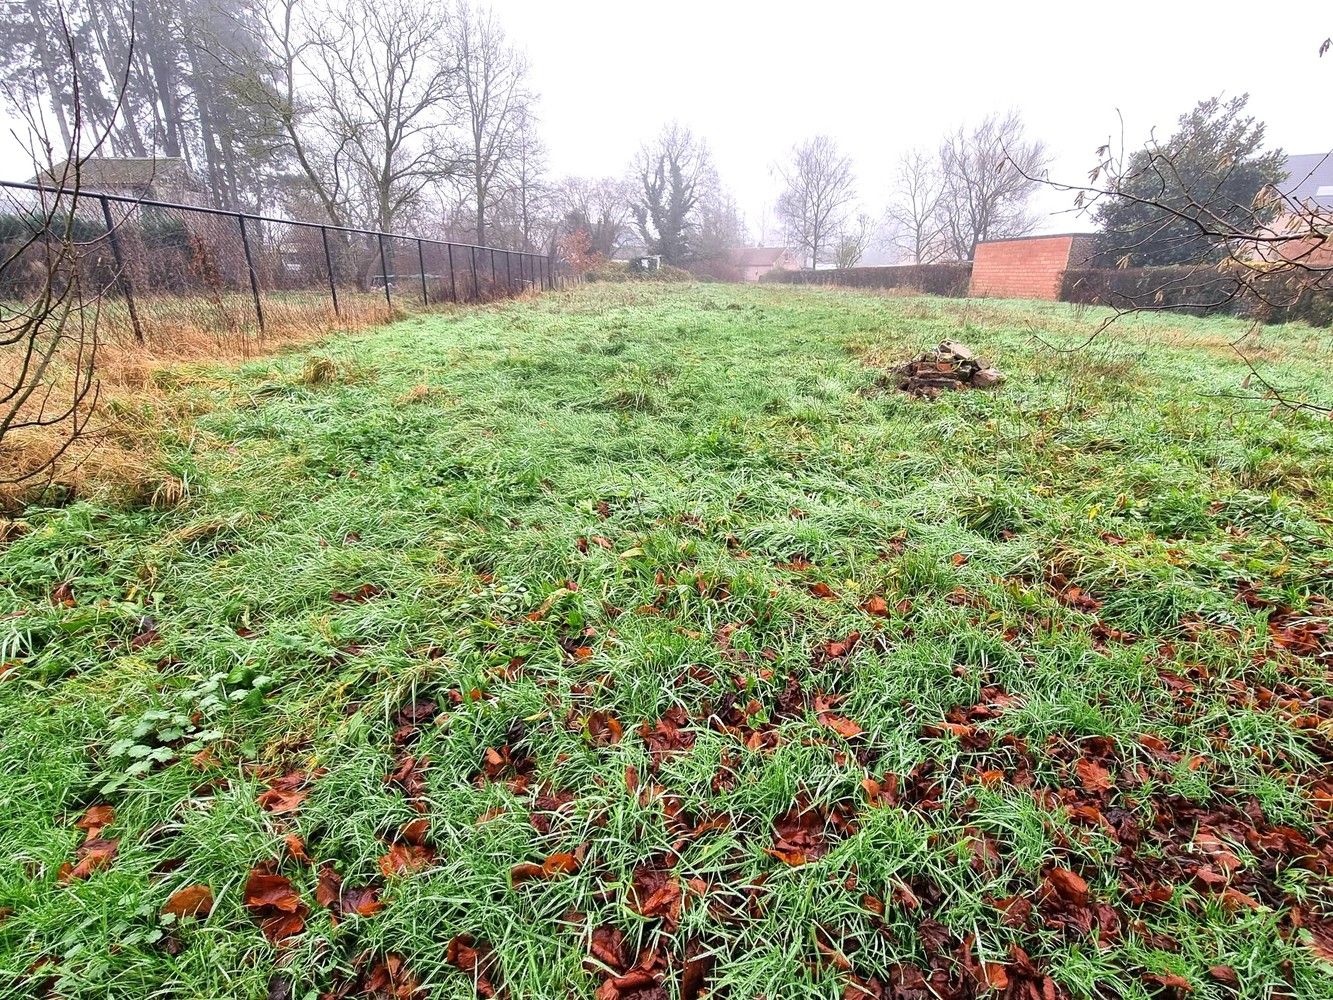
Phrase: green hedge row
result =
(931, 279)
(1276, 297)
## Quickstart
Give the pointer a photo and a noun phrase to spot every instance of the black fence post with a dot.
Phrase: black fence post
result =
(453, 284)
(328, 262)
(254, 277)
(476, 288)
(421, 260)
(384, 271)
(509, 271)
(494, 280)
(122, 277)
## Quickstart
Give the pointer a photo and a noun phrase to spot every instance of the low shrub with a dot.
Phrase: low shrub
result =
(163, 232)
(614, 270)
(1178, 287)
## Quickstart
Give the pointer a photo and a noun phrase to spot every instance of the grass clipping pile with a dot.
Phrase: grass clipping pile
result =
(949, 367)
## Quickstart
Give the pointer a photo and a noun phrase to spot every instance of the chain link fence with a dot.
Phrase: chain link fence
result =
(170, 271)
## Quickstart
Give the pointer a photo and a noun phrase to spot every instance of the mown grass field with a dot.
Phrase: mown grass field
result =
(645, 642)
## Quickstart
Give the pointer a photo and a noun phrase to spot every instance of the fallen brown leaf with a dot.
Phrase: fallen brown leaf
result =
(1092, 776)
(192, 901)
(95, 820)
(93, 855)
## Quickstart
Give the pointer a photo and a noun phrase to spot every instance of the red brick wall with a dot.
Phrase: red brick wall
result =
(1026, 268)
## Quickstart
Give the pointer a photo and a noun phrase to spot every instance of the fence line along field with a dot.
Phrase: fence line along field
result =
(131, 285)
(648, 640)
(172, 269)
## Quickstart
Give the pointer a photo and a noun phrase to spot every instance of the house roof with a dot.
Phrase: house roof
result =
(755, 256)
(1309, 179)
(118, 172)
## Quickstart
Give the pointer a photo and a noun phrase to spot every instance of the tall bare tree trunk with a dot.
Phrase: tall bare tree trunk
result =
(224, 195)
(163, 70)
(480, 189)
(114, 50)
(41, 39)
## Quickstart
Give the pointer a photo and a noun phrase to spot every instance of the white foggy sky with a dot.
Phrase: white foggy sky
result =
(755, 77)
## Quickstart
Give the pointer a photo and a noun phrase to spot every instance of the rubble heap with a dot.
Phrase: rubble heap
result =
(951, 366)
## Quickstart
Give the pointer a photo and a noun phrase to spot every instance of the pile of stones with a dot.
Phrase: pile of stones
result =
(950, 367)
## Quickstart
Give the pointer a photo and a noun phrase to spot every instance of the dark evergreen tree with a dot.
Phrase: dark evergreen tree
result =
(671, 175)
(1208, 175)
(157, 75)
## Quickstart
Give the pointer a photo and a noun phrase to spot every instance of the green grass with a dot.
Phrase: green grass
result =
(701, 441)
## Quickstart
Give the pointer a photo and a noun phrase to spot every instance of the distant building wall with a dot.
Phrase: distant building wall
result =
(1029, 267)
(751, 271)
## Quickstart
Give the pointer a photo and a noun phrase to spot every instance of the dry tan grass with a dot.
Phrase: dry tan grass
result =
(140, 398)
(419, 394)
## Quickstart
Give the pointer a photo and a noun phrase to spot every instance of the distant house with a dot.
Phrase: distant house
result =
(1309, 180)
(752, 263)
(160, 178)
(165, 235)
(1305, 220)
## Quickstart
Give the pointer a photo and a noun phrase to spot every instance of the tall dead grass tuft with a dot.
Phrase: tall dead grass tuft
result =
(147, 392)
(318, 371)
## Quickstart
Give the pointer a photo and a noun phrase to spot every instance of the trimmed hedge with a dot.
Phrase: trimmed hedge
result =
(616, 271)
(1186, 288)
(1279, 297)
(931, 279)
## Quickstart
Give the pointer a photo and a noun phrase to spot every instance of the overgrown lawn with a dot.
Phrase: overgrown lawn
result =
(645, 642)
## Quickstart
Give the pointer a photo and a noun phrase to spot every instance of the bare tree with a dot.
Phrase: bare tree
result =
(55, 275)
(672, 174)
(853, 240)
(600, 206)
(917, 230)
(495, 103)
(988, 173)
(721, 229)
(528, 197)
(365, 99)
(819, 191)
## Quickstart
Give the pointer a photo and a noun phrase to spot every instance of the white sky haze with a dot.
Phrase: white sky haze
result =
(754, 78)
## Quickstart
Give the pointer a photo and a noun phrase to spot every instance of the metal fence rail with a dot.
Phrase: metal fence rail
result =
(169, 269)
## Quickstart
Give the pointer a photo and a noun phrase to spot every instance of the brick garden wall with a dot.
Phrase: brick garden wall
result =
(1026, 268)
